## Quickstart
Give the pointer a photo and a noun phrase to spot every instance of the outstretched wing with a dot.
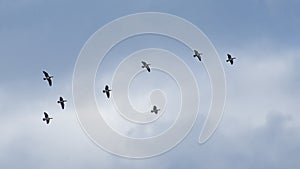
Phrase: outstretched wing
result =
(199, 57)
(229, 56)
(148, 68)
(49, 81)
(46, 115)
(106, 87)
(231, 61)
(62, 105)
(154, 108)
(107, 94)
(46, 74)
(144, 63)
(47, 121)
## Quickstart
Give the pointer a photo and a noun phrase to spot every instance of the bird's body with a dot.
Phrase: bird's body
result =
(197, 54)
(230, 59)
(61, 101)
(48, 78)
(47, 118)
(146, 65)
(155, 110)
(107, 90)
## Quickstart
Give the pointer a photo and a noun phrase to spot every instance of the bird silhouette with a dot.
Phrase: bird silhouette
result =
(107, 90)
(61, 101)
(146, 65)
(155, 110)
(48, 78)
(230, 59)
(197, 54)
(47, 118)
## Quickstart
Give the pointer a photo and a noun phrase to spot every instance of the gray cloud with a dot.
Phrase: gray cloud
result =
(261, 122)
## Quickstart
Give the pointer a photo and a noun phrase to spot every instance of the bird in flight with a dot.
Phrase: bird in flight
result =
(197, 54)
(107, 90)
(155, 110)
(48, 78)
(61, 101)
(146, 65)
(230, 59)
(47, 118)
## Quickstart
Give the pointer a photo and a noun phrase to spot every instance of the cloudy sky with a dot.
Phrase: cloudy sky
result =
(261, 122)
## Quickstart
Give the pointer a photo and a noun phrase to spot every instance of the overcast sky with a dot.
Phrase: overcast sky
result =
(261, 122)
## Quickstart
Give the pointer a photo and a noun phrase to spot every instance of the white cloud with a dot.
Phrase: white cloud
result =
(259, 128)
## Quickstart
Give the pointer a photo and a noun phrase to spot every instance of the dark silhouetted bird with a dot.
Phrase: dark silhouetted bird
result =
(48, 78)
(47, 118)
(61, 101)
(155, 110)
(107, 90)
(197, 54)
(230, 59)
(146, 65)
